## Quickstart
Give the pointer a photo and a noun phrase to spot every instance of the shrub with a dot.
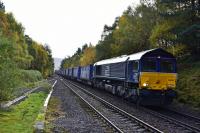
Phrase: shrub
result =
(28, 76)
(8, 79)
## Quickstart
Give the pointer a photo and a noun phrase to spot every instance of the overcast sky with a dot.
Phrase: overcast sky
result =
(66, 24)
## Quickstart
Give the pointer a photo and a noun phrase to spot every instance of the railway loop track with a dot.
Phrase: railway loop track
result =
(113, 117)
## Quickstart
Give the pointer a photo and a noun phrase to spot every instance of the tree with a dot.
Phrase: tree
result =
(8, 69)
(50, 62)
(2, 7)
(89, 56)
(175, 18)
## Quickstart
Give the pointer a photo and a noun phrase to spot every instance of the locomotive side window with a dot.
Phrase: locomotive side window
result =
(166, 66)
(98, 70)
(149, 65)
(135, 66)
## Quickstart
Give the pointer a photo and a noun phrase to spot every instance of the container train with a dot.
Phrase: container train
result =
(148, 77)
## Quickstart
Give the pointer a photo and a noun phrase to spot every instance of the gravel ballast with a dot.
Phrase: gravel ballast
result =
(131, 108)
(73, 117)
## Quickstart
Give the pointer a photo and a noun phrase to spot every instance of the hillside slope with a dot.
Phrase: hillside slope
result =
(188, 86)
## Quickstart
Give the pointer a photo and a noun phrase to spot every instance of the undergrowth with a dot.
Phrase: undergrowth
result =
(188, 86)
(21, 118)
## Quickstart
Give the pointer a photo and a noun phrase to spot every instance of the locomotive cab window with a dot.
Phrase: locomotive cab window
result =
(135, 66)
(166, 66)
(149, 65)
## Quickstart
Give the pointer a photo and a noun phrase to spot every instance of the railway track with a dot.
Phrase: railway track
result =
(185, 127)
(189, 120)
(182, 125)
(115, 118)
(104, 121)
(194, 118)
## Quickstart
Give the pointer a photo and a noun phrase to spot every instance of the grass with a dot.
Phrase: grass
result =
(14, 81)
(21, 118)
(188, 86)
(53, 112)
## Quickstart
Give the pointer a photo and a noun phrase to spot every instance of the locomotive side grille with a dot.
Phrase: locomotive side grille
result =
(118, 70)
(114, 70)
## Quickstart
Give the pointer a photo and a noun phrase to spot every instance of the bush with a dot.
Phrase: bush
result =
(12, 78)
(188, 85)
(28, 76)
(8, 79)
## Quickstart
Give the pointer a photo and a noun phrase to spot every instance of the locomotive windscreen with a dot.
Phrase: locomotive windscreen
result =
(167, 66)
(149, 65)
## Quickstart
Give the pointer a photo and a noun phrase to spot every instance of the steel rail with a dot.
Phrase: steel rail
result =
(172, 120)
(95, 110)
(124, 113)
(164, 117)
(184, 114)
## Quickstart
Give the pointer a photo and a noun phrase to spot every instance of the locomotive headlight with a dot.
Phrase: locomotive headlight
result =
(145, 84)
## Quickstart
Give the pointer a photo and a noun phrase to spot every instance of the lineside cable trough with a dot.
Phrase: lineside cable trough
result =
(40, 121)
(18, 100)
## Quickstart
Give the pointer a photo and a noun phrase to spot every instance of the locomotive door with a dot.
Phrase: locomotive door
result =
(135, 70)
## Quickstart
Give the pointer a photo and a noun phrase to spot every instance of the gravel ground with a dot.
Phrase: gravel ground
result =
(73, 117)
(185, 109)
(122, 122)
(130, 108)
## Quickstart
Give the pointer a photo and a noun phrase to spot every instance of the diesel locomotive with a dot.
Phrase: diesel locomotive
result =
(148, 77)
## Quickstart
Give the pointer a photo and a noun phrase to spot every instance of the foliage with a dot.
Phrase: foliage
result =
(83, 56)
(42, 59)
(175, 18)
(19, 54)
(21, 117)
(26, 53)
(14, 31)
(129, 33)
(189, 82)
(88, 56)
(74, 60)
(29, 76)
(173, 25)
(8, 70)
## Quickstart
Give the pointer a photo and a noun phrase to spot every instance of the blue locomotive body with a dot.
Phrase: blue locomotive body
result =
(147, 77)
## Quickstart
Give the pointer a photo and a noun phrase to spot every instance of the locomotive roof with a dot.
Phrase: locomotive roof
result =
(136, 56)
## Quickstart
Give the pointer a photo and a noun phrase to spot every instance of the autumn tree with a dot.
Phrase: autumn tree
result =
(88, 56)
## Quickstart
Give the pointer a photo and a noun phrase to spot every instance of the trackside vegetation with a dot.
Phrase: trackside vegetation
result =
(54, 111)
(189, 82)
(23, 61)
(22, 117)
(173, 25)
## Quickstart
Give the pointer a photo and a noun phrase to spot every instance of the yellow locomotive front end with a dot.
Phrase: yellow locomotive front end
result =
(157, 81)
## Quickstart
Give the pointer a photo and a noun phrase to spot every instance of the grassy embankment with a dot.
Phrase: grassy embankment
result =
(53, 112)
(21, 118)
(188, 86)
(14, 82)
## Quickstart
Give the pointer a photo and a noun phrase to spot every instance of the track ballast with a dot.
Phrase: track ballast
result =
(116, 118)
